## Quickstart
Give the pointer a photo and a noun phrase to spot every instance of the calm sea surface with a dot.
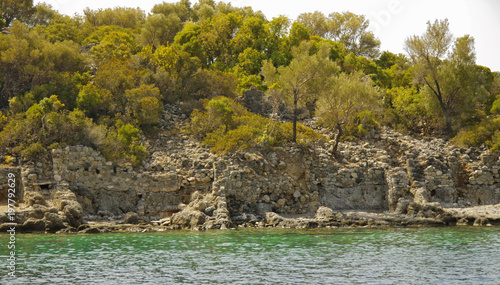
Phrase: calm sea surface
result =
(325, 256)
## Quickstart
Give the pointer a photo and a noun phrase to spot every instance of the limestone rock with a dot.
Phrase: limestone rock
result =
(273, 219)
(53, 222)
(73, 212)
(31, 224)
(324, 213)
(402, 206)
(188, 219)
(131, 218)
(35, 198)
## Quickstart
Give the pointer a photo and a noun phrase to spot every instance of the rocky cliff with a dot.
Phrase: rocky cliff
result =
(389, 178)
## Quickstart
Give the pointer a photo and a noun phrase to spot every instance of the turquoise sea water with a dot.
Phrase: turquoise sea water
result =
(320, 256)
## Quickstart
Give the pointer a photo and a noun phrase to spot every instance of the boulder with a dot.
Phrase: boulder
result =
(402, 206)
(73, 213)
(33, 225)
(35, 198)
(273, 219)
(188, 219)
(324, 213)
(131, 218)
(53, 222)
(209, 210)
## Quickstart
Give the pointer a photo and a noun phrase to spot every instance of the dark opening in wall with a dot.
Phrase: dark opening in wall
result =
(97, 171)
(433, 193)
(115, 168)
(45, 186)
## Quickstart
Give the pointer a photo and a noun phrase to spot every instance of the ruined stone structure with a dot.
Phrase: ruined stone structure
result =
(184, 181)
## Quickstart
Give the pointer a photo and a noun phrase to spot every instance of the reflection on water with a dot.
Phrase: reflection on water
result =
(325, 256)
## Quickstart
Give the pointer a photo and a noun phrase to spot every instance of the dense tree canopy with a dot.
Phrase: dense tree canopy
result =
(102, 78)
(451, 77)
(298, 82)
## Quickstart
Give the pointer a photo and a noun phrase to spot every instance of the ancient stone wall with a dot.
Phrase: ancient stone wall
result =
(105, 188)
(376, 175)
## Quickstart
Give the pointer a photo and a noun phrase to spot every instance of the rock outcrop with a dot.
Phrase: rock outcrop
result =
(388, 179)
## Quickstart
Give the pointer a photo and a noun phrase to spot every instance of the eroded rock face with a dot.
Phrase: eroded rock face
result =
(183, 181)
(288, 180)
(205, 211)
(53, 222)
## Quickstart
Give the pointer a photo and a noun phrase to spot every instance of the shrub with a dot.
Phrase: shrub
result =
(485, 132)
(48, 125)
(228, 127)
(124, 142)
(495, 108)
(33, 150)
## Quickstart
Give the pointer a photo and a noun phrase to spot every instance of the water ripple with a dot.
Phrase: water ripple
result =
(326, 256)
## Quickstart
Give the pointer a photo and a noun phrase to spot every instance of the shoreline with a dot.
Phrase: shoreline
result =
(325, 218)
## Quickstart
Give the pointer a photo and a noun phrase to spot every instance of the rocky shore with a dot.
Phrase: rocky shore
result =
(386, 180)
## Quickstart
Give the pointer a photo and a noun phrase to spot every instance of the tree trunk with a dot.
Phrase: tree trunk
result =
(444, 107)
(295, 115)
(337, 140)
(447, 116)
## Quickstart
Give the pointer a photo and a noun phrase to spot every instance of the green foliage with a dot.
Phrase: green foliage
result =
(29, 60)
(348, 102)
(298, 33)
(160, 29)
(47, 124)
(33, 150)
(130, 18)
(42, 14)
(144, 104)
(486, 132)
(252, 35)
(117, 76)
(277, 45)
(102, 77)
(407, 110)
(360, 124)
(181, 10)
(216, 36)
(451, 77)
(495, 108)
(62, 28)
(22, 103)
(130, 146)
(188, 40)
(249, 62)
(352, 31)
(300, 82)
(228, 127)
(115, 45)
(93, 100)
(316, 22)
(11, 10)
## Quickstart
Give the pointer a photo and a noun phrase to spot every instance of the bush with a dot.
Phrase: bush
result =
(228, 127)
(124, 142)
(33, 151)
(48, 125)
(485, 132)
(495, 108)
(360, 125)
